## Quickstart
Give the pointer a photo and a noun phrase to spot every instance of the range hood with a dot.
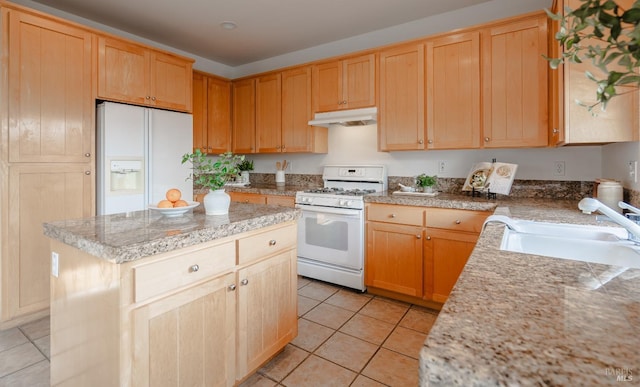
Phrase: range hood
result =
(353, 117)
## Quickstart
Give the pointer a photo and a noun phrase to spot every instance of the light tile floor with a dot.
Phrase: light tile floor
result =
(345, 338)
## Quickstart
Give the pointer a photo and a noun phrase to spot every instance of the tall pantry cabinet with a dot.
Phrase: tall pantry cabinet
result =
(46, 151)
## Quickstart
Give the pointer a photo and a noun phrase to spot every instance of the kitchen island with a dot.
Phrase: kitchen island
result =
(140, 299)
(519, 319)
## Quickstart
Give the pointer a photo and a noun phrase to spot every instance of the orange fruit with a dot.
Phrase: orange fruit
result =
(165, 204)
(180, 203)
(173, 195)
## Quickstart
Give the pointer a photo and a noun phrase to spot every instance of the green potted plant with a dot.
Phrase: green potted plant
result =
(426, 182)
(213, 174)
(606, 34)
(245, 166)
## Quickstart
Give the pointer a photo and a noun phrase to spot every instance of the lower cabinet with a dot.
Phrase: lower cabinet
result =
(206, 315)
(247, 197)
(417, 253)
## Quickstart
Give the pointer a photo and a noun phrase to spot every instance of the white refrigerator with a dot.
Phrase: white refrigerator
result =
(139, 156)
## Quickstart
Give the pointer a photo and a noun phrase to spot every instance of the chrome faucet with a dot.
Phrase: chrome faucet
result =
(589, 205)
(511, 224)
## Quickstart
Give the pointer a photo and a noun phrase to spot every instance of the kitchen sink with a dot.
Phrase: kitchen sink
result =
(598, 247)
(577, 231)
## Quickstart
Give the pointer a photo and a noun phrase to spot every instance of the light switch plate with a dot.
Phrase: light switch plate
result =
(54, 264)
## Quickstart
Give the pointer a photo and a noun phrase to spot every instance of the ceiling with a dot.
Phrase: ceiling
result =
(265, 28)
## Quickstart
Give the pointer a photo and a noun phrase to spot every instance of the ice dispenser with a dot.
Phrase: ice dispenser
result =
(126, 176)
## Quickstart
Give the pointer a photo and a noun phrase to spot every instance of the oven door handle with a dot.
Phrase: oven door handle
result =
(330, 210)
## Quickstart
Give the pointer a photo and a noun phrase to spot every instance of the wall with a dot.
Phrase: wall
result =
(615, 163)
(358, 144)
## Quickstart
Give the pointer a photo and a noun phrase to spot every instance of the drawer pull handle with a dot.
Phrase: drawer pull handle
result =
(428, 237)
(244, 282)
(232, 287)
(272, 242)
(194, 268)
(418, 236)
(458, 221)
(393, 215)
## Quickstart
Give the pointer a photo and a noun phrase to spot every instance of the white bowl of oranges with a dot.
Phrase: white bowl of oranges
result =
(173, 205)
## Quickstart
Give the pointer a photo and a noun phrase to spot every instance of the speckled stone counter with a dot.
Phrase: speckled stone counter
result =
(519, 319)
(126, 237)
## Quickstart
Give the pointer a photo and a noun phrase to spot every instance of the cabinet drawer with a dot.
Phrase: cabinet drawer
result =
(266, 243)
(287, 201)
(243, 197)
(162, 276)
(391, 213)
(459, 220)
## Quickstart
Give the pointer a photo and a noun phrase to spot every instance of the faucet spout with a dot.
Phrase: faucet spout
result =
(589, 205)
(511, 224)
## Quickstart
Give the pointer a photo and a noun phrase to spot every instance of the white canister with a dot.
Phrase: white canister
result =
(610, 193)
(279, 177)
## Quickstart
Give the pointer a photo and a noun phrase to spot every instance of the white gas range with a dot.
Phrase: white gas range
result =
(331, 229)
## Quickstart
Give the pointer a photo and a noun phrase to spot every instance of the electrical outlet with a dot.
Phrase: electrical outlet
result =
(558, 168)
(633, 170)
(442, 166)
(54, 264)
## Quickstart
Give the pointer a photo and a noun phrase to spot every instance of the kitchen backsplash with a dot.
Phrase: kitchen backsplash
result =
(542, 189)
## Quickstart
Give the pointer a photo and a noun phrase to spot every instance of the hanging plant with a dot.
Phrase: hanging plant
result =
(608, 36)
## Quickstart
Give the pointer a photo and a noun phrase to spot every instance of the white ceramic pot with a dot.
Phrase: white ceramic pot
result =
(245, 177)
(217, 202)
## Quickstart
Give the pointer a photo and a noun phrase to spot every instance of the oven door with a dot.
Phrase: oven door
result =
(332, 236)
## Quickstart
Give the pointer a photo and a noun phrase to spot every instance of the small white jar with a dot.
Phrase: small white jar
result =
(610, 193)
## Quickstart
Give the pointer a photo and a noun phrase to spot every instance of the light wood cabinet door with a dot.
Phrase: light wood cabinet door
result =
(38, 193)
(401, 116)
(344, 84)
(445, 254)
(123, 71)
(200, 112)
(267, 310)
(218, 115)
(453, 91)
(244, 118)
(50, 100)
(269, 113)
(211, 114)
(515, 102)
(297, 135)
(394, 258)
(136, 74)
(170, 82)
(573, 123)
(187, 338)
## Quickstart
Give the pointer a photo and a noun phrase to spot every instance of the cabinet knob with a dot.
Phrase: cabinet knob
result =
(344, 102)
(420, 141)
(147, 97)
(87, 172)
(487, 139)
(430, 141)
(418, 236)
(87, 154)
(458, 221)
(428, 237)
(232, 287)
(392, 215)
(555, 130)
(272, 242)
(194, 268)
(153, 98)
(244, 282)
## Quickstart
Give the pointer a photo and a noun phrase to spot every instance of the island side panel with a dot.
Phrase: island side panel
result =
(85, 319)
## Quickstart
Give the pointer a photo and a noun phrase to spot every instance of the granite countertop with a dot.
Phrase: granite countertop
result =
(519, 319)
(129, 236)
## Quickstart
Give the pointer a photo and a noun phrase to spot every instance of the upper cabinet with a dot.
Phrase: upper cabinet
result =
(573, 123)
(139, 75)
(344, 84)
(453, 91)
(401, 107)
(50, 98)
(244, 117)
(515, 83)
(269, 113)
(211, 113)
